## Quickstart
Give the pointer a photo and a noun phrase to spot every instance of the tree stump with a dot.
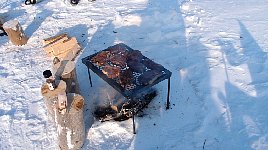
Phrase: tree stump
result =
(15, 32)
(65, 70)
(51, 97)
(70, 125)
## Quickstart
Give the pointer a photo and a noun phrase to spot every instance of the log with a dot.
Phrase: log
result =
(62, 50)
(63, 47)
(15, 32)
(51, 96)
(122, 109)
(67, 110)
(70, 125)
(54, 39)
(49, 48)
(72, 53)
(65, 70)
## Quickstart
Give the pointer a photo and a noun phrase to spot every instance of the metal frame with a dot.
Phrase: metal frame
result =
(128, 94)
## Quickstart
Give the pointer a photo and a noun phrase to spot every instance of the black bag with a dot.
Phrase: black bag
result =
(74, 2)
(2, 31)
(28, 2)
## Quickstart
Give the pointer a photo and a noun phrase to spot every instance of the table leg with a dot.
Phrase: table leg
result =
(89, 76)
(168, 103)
(133, 121)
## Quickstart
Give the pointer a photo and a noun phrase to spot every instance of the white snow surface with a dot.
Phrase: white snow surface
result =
(216, 51)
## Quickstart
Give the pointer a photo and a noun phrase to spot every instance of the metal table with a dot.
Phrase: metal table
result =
(129, 94)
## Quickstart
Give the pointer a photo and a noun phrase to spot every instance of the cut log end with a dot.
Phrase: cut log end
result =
(11, 24)
(78, 101)
(79, 104)
(15, 32)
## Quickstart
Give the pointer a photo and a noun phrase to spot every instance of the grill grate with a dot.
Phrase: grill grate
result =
(130, 73)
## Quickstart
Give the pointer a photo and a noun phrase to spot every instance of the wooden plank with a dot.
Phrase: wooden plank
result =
(50, 47)
(54, 38)
(72, 53)
(64, 47)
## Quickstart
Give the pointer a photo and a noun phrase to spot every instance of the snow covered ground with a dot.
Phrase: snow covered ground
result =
(216, 50)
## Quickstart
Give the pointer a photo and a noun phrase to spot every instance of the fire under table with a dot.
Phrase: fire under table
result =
(127, 71)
